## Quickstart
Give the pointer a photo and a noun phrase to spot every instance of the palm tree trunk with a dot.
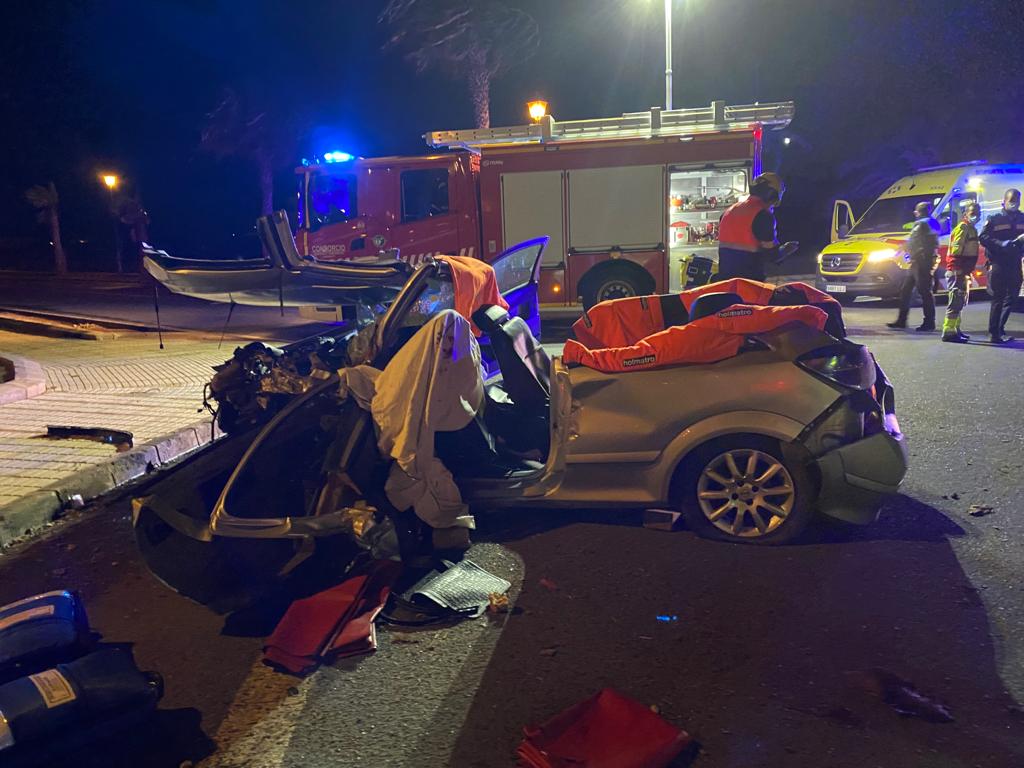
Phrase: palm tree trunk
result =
(266, 169)
(480, 89)
(60, 259)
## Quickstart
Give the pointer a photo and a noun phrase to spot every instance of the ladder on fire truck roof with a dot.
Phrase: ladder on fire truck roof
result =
(655, 122)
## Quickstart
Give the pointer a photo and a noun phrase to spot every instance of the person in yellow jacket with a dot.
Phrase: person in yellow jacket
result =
(961, 259)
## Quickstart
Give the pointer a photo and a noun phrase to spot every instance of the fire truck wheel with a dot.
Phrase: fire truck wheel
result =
(744, 489)
(615, 281)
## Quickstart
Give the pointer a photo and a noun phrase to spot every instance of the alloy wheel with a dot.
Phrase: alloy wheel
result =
(745, 492)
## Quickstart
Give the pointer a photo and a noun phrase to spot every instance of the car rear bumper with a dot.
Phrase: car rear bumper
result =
(856, 478)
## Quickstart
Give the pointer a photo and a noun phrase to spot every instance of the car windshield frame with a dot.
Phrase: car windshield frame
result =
(421, 286)
(893, 206)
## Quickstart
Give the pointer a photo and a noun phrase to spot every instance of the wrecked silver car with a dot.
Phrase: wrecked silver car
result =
(792, 421)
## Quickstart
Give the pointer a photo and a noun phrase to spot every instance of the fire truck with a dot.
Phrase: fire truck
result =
(619, 198)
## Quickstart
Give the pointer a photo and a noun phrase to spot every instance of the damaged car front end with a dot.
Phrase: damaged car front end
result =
(749, 447)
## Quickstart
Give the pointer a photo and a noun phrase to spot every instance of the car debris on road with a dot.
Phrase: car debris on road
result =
(980, 510)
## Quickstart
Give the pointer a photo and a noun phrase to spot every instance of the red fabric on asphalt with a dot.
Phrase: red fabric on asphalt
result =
(475, 286)
(608, 730)
(335, 622)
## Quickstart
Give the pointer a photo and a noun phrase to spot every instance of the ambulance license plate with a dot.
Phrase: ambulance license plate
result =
(835, 288)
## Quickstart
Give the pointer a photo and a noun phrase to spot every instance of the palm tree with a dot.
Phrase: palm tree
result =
(246, 126)
(473, 41)
(47, 204)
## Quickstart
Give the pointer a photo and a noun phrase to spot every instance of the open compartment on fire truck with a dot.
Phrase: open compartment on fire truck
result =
(698, 196)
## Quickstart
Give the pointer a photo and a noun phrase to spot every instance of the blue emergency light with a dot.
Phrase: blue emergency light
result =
(337, 157)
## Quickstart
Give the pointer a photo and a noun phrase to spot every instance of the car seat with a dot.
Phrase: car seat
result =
(711, 303)
(525, 366)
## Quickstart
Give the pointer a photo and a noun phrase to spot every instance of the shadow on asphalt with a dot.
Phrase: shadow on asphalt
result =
(754, 665)
(176, 731)
(901, 518)
(755, 655)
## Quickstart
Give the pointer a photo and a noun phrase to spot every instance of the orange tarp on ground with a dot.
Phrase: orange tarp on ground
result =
(706, 340)
(475, 286)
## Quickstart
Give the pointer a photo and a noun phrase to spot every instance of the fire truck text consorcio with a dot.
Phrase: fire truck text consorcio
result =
(618, 196)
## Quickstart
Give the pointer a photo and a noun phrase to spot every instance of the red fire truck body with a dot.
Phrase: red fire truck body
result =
(609, 193)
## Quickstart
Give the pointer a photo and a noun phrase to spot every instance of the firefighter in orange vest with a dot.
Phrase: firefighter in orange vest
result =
(746, 235)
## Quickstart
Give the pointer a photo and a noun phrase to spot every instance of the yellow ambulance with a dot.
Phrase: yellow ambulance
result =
(866, 256)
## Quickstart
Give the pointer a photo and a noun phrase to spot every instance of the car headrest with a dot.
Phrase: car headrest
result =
(489, 318)
(710, 303)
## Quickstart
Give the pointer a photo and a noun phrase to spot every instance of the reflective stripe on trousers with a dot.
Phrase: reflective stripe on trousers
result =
(958, 296)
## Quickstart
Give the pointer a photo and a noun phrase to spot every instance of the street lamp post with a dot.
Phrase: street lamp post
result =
(668, 55)
(110, 180)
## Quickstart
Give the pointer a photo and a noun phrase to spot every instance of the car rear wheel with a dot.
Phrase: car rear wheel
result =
(744, 489)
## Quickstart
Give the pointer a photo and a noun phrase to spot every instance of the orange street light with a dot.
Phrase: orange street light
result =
(537, 110)
(110, 180)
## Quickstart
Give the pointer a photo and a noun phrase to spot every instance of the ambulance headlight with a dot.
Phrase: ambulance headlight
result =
(885, 254)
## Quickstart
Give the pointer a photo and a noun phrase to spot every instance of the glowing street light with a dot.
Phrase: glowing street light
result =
(110, 181)
(537, 110)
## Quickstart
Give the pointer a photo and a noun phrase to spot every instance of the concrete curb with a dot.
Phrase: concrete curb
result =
(29, 381)
(36, 326)
(35, 510)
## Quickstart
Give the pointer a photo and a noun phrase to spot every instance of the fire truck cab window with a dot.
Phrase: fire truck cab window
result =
(332, 199)
(424, 194)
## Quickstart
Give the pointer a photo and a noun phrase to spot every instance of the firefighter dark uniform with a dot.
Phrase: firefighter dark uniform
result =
(961, 259)
(999, 236)
(922, 246)
(746, 237)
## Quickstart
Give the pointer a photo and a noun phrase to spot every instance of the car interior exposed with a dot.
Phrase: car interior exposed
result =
(511, 434)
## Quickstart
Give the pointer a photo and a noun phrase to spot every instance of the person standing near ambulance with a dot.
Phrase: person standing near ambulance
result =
(961, 259)
(923, 247)
(1003, 238)
(746, 233)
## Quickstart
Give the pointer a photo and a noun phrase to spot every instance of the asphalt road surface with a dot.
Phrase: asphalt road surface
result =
(767, 661)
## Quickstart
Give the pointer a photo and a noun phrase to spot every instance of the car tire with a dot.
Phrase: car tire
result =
(617, 281)
(736, 507)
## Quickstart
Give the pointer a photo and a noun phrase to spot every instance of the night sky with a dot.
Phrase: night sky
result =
(88, 85)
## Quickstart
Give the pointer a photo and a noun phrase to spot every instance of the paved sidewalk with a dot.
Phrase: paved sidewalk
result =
(126, 384)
